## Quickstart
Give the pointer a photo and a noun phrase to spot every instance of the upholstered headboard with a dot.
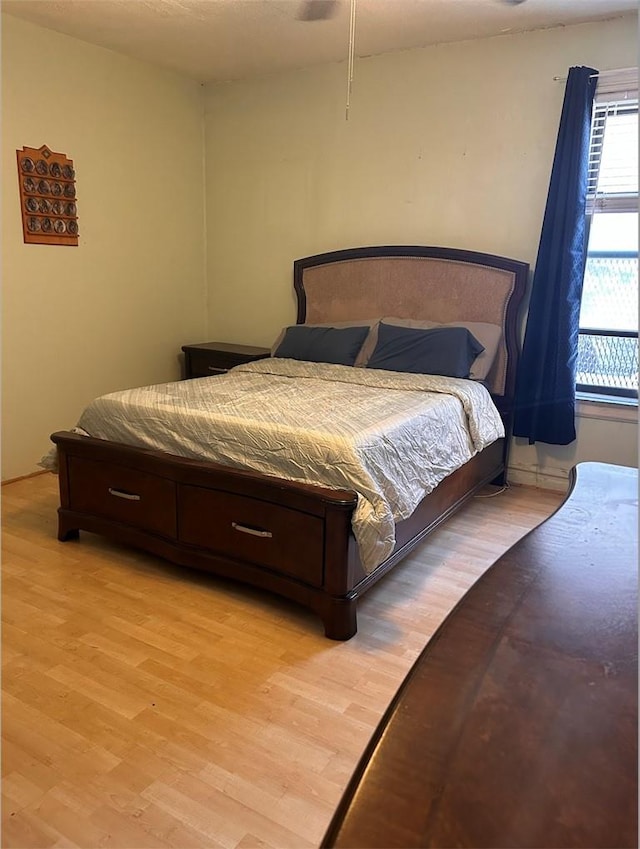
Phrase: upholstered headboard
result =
(443, 285)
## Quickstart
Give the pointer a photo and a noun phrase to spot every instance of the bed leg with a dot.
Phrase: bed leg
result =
(340, 622)
(66, 531)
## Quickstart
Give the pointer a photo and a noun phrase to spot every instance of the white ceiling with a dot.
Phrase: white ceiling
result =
(214, 40)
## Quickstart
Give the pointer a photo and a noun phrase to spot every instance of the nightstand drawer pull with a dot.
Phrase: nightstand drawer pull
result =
(119, 493)
(216, 369)
(253, 531)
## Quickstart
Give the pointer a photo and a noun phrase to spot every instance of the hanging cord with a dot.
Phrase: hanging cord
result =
(350, 61)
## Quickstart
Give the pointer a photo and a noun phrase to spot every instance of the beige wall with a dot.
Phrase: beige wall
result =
(449, 145)
(113, 312)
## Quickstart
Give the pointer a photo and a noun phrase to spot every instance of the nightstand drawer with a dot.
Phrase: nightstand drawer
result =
(205, 364)
(210, 358)
(249, 529)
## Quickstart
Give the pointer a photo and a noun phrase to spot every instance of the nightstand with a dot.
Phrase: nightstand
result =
(209, 358)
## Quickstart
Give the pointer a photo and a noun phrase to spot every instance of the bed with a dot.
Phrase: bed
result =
(301, 535)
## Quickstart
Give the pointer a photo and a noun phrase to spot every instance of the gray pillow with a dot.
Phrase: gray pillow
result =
(447, 351)
(322, 344)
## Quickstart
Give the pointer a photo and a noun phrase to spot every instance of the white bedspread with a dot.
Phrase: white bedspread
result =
(391, 437)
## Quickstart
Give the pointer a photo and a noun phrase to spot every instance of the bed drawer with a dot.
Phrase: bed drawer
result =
(121, 494)
(282, 539)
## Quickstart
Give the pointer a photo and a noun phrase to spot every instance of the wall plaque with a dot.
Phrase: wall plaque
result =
(47, 197)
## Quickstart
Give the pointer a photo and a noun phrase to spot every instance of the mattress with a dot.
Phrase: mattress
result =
(391, 437)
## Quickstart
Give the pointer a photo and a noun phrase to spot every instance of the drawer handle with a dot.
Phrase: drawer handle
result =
(255, 532)
(215, 368)
(130, 496)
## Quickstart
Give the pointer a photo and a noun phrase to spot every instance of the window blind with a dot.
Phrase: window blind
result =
(620, 84)
(613, 162)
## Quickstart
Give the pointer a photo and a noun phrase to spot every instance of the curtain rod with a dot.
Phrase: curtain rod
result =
(600, 74)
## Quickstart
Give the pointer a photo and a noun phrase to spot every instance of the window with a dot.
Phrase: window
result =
(608, 340)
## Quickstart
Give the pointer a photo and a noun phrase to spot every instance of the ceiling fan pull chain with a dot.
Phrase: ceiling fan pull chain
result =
(350, 62)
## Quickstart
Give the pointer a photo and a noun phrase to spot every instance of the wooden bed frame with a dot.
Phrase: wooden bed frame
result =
(186, 510)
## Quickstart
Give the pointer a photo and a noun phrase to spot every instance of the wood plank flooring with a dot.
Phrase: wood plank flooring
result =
(144, 705)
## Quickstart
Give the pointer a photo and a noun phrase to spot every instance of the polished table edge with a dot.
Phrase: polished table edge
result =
(373, 794)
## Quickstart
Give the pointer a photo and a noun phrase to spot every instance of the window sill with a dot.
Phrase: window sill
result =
(606, 407)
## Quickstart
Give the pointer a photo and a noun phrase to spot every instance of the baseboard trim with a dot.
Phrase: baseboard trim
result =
(541, 479)
(24, 477)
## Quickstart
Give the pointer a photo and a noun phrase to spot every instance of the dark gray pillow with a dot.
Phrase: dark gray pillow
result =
(448, 351)
(322, 344)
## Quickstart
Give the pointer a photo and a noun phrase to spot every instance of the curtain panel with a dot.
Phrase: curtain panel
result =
(545, 388)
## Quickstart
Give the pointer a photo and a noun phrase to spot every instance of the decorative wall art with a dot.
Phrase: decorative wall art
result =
(47, 197)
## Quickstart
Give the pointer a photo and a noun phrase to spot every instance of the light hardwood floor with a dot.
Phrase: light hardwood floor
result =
(150, 706)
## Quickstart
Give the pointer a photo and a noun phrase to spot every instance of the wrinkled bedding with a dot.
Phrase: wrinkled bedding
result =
(391, 437)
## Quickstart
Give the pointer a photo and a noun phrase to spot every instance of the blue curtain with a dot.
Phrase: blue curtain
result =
(545, 388)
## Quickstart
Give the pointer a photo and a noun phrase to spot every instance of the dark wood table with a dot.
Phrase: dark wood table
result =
(517, 725)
